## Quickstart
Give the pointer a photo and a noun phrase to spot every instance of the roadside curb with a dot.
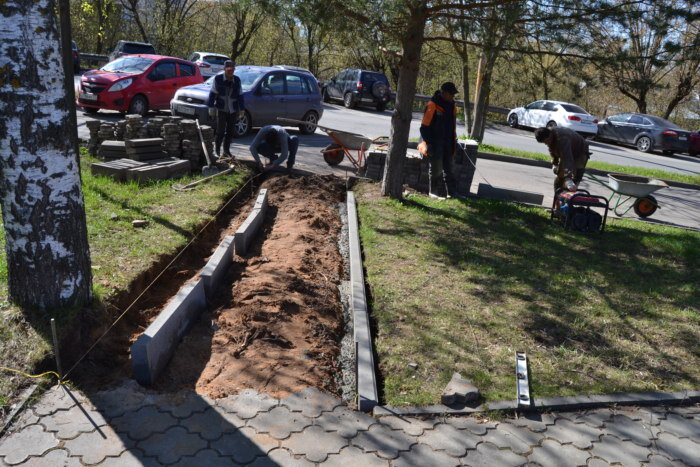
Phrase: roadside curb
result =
(559, 404)
(246, 232)
(367, 395)
(537, 163)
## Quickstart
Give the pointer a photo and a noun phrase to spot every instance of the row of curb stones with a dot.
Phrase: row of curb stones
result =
(151, 352)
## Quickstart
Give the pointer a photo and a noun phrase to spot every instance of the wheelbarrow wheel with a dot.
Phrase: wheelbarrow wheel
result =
(333, 154)
(645, 207)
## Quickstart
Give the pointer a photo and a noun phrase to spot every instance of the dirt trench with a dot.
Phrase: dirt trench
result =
(276, 323)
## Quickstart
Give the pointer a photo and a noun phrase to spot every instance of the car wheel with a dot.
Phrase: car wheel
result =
(668, 153)
(551, 124)
(312, 119)
(513, 120)
(644, 144)
(347, 100)
(242, 126)
(381, 107)
(645, 207)
(333, 154)
(90, 110)
(139, 105)
(326, 97)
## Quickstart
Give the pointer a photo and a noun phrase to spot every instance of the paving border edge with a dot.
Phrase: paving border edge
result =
(367, 394)
(559, 404)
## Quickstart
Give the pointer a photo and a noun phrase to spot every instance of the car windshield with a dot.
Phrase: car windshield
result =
(248, 78)
(128, 65)
(573, 109)
(215, 59)
(658, 121)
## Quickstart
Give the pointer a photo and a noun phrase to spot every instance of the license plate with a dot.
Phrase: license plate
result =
(186, 110)
(682, 138)
(87, 96)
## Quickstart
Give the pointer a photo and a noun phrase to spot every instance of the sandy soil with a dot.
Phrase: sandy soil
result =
(277, 322)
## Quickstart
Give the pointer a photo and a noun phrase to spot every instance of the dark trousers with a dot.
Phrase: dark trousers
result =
(270, 152)
(559, 181)
(224, 130)
(440, 169)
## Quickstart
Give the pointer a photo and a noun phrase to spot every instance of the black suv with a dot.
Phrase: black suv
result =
(129, 48)
(359, 87)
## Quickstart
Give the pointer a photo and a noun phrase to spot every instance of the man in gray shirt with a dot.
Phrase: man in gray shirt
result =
(272, 140)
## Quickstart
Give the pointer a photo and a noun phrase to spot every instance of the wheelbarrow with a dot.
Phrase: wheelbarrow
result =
(346, 144)
(627, 187)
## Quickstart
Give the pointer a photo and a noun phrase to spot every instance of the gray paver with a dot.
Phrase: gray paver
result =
(31, 441)
(422, 455)
(69, 423)
(244, 445)
(311, 402)
(130, 458)
(352, 455)
(56, 398)
(681, 427)
(278, 457)
(345, 421)
(279, 422)
(595, 462)
(468, 423)
(595, 418)
(533, 422)
(170, 446)
(205, 457)
(53, 459)
(26, 417)
(184, 405)
(315, 444)
(211, 424)
(615, 451)
(566, 432)
(385, 442)
(447, 438)
(118, 401)
(142, 423)
(550, 452)
(674, 448)
(519, 440)
(93, 447)
(657, 460)
(626, 429)
(247, 404)
(410, 425)
(487, 455)
(687, 411)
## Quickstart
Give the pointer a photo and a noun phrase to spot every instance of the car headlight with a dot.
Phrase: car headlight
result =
(123, 84)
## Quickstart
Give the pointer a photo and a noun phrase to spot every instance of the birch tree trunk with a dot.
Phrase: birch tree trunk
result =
(40, 193)
(392, 182)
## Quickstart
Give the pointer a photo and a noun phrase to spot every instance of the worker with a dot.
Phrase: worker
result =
(225, 106)
(569, 152)
(439, 131)
(272, 140)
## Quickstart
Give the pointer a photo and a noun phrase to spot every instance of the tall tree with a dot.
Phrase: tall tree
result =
(244, 19)
(42, 204)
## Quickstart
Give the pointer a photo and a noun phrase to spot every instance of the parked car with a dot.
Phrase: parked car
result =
(645, 132)
(268, 93)
(354, 86)
(136, 83)
(694, 149)
(298, 68)
(131, 48)
(76, 58)
(209, 63)
(553, 114)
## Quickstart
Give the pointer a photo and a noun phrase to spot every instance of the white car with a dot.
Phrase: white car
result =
(551, 114)
(209, 63)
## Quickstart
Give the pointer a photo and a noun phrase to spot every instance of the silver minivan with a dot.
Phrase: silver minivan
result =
(209, 63)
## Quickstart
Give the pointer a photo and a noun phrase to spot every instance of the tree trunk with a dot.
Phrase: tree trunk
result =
(477, 89)
(42, 202)
(392, 183)
(465, 87)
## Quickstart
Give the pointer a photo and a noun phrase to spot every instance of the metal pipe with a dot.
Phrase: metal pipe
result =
(55, 347)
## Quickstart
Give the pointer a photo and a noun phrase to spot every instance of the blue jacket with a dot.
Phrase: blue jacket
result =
(226, 95)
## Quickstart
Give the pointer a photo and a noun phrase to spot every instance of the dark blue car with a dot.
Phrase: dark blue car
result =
(268, 93)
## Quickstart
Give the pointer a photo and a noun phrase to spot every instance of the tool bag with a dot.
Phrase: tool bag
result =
(574, 211)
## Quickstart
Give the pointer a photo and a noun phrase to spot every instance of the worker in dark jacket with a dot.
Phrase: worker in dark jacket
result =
(225, 105)
(272, 140)
(439, 131)
(569, 152)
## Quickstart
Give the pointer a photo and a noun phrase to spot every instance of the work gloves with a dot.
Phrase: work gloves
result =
(212, 112)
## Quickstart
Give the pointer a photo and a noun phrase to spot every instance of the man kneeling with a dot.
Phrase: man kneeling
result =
(272, 140)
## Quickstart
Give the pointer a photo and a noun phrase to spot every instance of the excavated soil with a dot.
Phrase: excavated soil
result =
(277, 321)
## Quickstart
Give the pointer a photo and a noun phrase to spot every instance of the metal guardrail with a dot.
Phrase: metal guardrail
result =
(490, 108)
(93, 57)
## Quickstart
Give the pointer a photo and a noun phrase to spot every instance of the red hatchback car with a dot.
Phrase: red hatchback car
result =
(695, 144)
(136, 83)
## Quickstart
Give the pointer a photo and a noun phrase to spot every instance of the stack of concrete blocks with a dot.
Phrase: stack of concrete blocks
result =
(144, 149)
(93, 143)
(154, 348)
(171, 139)
(154, 127)
(247, 231)
(106, 132)
(134, 125)
(158, 170)
(110, 150)
(116, 169)
(120, 130)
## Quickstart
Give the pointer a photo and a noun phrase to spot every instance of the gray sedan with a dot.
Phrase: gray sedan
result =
(645, 132)
(268, 93)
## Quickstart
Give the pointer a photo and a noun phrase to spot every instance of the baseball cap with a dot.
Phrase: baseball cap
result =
(229, 64)
(449, 87)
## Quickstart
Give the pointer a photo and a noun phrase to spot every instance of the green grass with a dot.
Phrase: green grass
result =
(119, 252)
(459, 286)
(641, 171)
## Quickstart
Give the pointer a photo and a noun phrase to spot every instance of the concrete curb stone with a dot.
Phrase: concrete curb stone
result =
(215, 269)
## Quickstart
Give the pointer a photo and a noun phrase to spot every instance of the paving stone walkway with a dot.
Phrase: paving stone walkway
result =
(130, 426)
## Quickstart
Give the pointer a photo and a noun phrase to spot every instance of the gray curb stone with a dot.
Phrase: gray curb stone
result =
(246, 232)
(505, 194)
(153, 349)
(367, 394)
(216, 267)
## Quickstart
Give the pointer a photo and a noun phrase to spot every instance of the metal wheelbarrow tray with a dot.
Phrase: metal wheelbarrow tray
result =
(626, 187)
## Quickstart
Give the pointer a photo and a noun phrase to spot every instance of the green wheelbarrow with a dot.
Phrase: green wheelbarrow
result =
(626, 187)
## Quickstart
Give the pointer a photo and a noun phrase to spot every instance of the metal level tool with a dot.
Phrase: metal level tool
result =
(522, 379)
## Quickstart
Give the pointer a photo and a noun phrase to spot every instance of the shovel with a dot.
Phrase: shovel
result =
(209, 169)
